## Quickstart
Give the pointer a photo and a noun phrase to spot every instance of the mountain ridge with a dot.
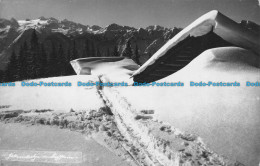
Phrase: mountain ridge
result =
(52, 31)
(105, 40)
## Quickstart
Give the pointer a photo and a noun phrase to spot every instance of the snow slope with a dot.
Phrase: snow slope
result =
(55, 98)
(226, 118)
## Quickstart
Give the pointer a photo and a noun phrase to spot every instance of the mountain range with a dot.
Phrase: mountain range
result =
(52, 32)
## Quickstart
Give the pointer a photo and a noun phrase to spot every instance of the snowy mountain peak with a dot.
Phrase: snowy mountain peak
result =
(51, 24)
(68, 27)
(113, 27)
(95, 28)
(53, 19)
(42, 18)
(116, 27)
(12, 23)
(155, 27)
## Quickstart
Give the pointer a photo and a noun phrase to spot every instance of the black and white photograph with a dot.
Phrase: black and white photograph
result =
(129, 83)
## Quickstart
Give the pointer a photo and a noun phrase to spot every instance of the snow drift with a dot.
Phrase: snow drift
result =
(225, 117)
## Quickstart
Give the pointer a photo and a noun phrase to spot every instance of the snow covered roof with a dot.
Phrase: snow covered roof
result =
(114, 69)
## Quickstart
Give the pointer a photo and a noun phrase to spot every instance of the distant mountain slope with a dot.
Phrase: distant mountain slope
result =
(51, 31)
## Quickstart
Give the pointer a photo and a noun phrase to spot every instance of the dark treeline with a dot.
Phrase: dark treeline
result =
(32, 60)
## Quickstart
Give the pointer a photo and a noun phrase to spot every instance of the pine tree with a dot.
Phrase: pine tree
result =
(128, 50)
(33, 64)
(68, 56)
(98, 54)
(52, 62)
(68, 68)
(108, 52)
(74, 54)
(86, 50)
(11, 70)
(136, 56)
(22, 62)
(1, 76)
(116, 53)
(30, 67)
(61, 61)
(93, 50)
(43, 62)
(35, 53)
(34, 41)
(84, 53)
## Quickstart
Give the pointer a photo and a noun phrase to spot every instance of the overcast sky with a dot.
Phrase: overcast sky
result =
(136, 13)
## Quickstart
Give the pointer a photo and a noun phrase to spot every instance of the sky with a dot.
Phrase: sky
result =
(135, 13)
